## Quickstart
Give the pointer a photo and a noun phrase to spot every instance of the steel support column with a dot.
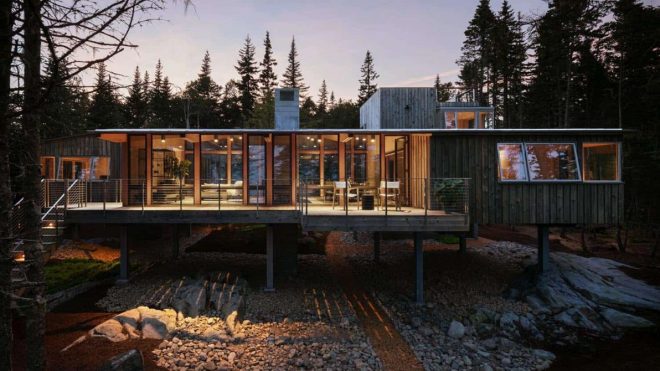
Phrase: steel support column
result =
(543, 242)
(419, 268)
(377, 239)
(270, 257)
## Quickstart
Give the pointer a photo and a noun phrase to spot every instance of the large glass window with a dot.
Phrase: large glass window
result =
(330, 158)
(281, 169)
(486, 120)
(309, 169)
(465, 120)
(171, 157)
(511, 162)
(601, 161)
(552, 161)
(214, 160)
(257, 169)
(137, 169)
(450, 120)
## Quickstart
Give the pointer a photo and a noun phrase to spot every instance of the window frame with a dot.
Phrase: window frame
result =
(577, 163)
(499, 168)
(619, 159)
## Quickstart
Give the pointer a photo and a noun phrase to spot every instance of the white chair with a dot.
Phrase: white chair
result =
(389, 191)
(236, 194)
(343, 187)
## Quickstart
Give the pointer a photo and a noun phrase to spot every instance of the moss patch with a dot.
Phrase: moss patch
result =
(63, 274)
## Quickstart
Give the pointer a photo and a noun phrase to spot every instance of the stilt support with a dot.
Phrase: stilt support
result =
(123, 254)
(462, 244)
(419, 268)
(543, 248)
(175, 241)
(377, 239)
(270, 257)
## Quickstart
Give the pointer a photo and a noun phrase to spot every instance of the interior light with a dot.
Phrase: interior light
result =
(373, 138)
(162, 139)
(215, 138)
(231, 139)
(319, 140)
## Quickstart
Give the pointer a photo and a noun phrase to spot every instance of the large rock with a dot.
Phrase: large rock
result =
(129, 361)
(191, 299)
(111, 330)
(456, 330)
(620, 319)
(156, 324)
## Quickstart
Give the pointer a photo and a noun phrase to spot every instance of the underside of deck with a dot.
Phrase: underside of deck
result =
(316, 218)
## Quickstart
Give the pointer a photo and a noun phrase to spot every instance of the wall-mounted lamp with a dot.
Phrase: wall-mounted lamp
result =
(373, 138)
(162, 139)
(215, 139)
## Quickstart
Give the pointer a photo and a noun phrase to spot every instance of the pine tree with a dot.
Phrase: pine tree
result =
(267, 77)
(230, 106)
(332, 99)
(322, 107)
(105, 110)
(65, 110)
(136, 106)
(204, 96)
(443, 90)
(509, 55)
(368, 84)
(247, 85)
(292, 77)
(476, 61)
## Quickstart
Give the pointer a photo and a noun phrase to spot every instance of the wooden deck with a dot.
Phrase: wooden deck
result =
(313, 217)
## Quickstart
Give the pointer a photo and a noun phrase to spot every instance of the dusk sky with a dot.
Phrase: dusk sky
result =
(411, 41)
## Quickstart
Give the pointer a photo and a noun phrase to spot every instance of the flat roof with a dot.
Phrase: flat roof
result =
(366, 131)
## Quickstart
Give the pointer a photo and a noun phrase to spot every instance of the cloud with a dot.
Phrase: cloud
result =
(426, 80)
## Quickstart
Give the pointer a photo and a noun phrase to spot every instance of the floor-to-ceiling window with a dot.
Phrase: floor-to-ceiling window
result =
(137, 169)
(362, 159)
(172, 170)
(257, 169)
(281, 169)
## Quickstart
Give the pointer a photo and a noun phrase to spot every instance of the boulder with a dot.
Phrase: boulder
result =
(156, 324)
(190, 299)
(620, 319)
(129, 361)
(111, 330)
(456, 330)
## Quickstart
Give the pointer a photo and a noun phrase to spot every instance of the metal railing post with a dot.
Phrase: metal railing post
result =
(258, 181)
(105, 193)
(426, 196)
(142, 191)
(66, 193)
(180, 195)
(306, 199)
(219, 197)
(387, 193)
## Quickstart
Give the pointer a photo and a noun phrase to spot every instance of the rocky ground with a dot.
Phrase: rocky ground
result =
(307, 323)
(470, 319)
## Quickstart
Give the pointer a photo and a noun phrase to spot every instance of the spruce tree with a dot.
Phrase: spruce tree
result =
(267, 76)
(65, 109)
(509, 56)
(368, 84)
(292, 77)
(332, 100)
(322, 107)
(247, 84)
(105, 110)
(136, 105)
(443, 90)
(476, 61)
(204, 96)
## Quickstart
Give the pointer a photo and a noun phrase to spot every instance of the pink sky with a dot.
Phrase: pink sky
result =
(411, 41)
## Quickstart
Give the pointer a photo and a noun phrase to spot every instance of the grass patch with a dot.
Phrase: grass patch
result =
(448, 239)
(63, 274)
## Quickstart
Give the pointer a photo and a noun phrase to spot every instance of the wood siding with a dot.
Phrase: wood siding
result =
(474, 156)
(400, 108)
(85, 146)
(419, 168)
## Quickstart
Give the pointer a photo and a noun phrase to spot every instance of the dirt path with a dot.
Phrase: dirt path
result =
(391, 348)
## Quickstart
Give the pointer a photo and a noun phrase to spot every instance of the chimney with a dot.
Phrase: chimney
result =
(287, 109)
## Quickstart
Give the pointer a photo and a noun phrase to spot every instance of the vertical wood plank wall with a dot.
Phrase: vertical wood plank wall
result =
(474, 156)
(85, 145)
(419, 167)
(400, 108)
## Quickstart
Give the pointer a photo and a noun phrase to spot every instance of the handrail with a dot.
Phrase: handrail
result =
(43, 217)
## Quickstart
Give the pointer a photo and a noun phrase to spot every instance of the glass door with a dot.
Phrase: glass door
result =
(256, 169)
(281, 170)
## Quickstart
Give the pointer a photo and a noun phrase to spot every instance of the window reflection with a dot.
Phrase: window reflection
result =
(556, 161)
(511, 162)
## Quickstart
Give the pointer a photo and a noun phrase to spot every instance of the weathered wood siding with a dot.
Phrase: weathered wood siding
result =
(474, 156)
(419, 168)
(370, 112)
(400, 108)
(84, 146)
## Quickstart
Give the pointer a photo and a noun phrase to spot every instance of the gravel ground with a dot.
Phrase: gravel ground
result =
(92, 249)
(466, 322)
(306, 323)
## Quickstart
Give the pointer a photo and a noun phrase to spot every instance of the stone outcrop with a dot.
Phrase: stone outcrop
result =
(139, 323)
(590, 293)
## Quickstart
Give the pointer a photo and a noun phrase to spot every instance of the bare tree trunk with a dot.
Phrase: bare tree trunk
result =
(6, 258)
(31, 183)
